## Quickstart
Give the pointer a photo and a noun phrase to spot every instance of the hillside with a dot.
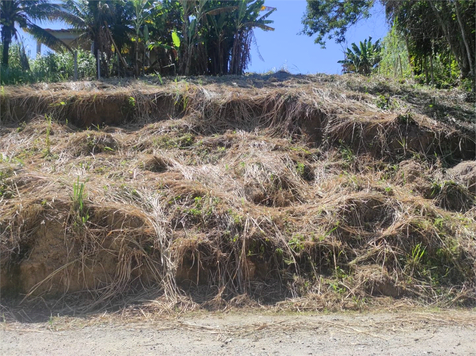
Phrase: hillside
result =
(307, 191)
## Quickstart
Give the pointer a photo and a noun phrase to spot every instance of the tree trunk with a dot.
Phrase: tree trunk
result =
(75, 64)
(136, 57)
(447, 33)
(236, 54)
(432, 70)
(220, 57)
(96, 55)
(7, 40)
(463, 34)
(183, 57)
(427, 80)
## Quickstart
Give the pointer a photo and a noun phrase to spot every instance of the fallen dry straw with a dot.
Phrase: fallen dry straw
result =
(220, 195)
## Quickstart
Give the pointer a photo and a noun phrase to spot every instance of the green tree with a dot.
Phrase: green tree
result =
(395, 57)
(362, 59)
(105, 23)
(215, 36)
(328, 19)
(23, 14)
(436, 33)
(433, 28)
(142, 12)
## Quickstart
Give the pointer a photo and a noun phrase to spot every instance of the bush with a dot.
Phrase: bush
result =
(16, 73)
(57, 67)
(53, 67)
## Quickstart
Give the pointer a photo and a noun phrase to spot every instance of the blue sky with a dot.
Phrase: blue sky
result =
(284, 48)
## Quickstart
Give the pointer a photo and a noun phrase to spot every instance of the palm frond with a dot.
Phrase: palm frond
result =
(68, 17)
(260, 25)
(46, 38)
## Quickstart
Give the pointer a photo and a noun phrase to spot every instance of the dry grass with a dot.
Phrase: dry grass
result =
(250, 190)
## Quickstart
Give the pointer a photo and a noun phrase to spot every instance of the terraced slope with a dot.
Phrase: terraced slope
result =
(320, 190)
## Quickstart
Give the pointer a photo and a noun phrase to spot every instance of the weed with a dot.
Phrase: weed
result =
(296, 243)
(47, 150)
(51, 323)
(383, 101)
(21, 126)
(336, 287)
(301, 169)
(78, 203)
(414, 261)
(5, 191)
(185, 141)
(346, 152)
(403, 143)
(328, 233)
(340, 273)
(417, 253)
(435, 189)
(389, 190)
(181, 142)
(159, 77)
(405, 119)
(301, 150)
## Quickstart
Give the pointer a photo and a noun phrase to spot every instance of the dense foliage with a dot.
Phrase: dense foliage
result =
(439, 36)
(328, 19)
(53, 67)
(437, 33)
(140, 36)
(394, 56)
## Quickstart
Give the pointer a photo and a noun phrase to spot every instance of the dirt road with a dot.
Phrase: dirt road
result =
(409, 333)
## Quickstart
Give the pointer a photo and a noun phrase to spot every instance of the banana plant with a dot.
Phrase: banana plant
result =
(142, 13)
(246, 19)
(362, 59)
(194, 18)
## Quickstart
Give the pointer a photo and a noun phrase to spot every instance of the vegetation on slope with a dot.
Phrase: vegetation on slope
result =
(317, 191)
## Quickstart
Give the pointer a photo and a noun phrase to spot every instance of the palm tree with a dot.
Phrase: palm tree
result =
(362, 59)
(23, 13)
(99, 21)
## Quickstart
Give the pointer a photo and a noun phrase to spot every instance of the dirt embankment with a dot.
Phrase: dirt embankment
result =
(318, 191)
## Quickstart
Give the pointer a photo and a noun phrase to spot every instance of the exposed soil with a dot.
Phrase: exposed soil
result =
(403, 333)
(308, 189)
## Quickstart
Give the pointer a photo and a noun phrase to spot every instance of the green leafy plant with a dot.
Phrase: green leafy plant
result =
(175, 39)
(362, 59)
(132, 102)
(383, 101)
(347, 153)
(301, 169)
(78, 202)
(417, 253)
(296, 243)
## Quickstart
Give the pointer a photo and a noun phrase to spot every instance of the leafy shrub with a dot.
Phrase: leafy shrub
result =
(53, 67)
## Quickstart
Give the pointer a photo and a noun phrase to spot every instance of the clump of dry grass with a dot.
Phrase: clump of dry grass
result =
(221, 196)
